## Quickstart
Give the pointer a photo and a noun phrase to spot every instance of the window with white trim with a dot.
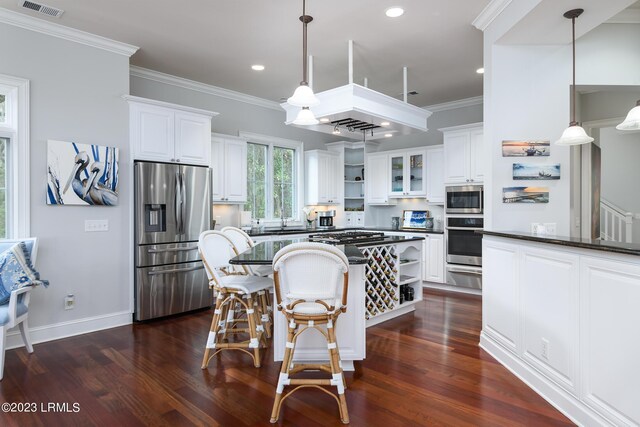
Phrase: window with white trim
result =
(14, 157)
(274, 178)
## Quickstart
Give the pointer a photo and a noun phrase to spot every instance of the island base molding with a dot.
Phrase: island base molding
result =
(564, 402)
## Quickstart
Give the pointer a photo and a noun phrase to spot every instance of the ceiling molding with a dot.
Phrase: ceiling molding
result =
(202, 87)
(489, 13)
(627, 16)
(461, 103)
(173, 106)
(56, 30)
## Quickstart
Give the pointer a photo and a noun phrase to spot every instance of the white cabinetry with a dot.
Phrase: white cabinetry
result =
(435, 175)
(463, 154)
(165, 132)
(354, 219)
(561, 318)
(407, 173)
(229, 164)
(433, 258)
(377, 179)
(323, 179)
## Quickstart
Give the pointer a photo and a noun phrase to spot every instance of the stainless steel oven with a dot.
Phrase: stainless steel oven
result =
(464, 199)
(464, 245)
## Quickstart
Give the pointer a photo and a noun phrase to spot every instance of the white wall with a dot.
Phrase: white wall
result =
(527, 93)
(76, 95)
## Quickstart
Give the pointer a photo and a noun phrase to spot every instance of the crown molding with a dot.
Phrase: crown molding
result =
(159, 77)
(489, 13)
(131, 98)
(461, 103)
(627, 16)
(56, 30)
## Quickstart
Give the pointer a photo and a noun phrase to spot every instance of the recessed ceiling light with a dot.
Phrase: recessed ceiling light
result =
(385, 124)
(324, 120)
(480, 71)
(257, 67)
(388, 135)
(394, 12)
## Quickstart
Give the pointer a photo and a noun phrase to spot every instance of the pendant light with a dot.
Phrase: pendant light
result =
(574, 134)
(632, 122)
(303, 95)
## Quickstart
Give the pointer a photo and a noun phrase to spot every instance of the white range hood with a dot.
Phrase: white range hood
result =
(368, 111)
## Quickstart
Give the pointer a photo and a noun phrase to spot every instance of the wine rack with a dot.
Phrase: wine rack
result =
(381, 277)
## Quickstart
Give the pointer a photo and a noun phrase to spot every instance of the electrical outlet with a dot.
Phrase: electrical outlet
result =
(550, 228)
(545, 349)
(69, 302)
(536, 228)
(93, 225)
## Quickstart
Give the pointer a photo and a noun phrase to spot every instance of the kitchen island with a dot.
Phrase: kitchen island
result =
(382, 269)
(562, 314)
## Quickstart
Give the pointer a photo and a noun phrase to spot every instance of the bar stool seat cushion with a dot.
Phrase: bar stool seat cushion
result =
(247, 284)
(315, 308)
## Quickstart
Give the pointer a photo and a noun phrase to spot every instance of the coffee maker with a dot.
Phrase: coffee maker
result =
(325, 219)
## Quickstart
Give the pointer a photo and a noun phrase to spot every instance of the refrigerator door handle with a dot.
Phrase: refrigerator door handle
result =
(175, 270)
(178, 204)
(183, 206)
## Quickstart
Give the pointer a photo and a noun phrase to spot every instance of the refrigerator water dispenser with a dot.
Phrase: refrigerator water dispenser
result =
(155, 218)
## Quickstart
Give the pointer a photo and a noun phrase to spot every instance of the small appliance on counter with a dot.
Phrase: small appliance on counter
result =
(325, 219)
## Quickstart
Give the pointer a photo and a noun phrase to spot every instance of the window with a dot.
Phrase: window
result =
(274, 177)
(14, 157)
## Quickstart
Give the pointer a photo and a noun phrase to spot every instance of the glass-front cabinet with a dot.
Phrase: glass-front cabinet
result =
(408, 174)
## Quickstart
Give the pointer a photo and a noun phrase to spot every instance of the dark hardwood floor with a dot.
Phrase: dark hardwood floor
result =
(421, 369)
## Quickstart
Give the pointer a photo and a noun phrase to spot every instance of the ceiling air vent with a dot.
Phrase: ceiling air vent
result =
(42, 8)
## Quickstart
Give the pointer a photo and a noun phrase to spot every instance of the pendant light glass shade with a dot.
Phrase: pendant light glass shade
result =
(632, 122)
(303, 97)
(574, 135)
(306, 118)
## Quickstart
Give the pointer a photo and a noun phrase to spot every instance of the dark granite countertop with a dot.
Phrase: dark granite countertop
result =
(303, 230)
(598, 245)
(263, 253)
(386, 240)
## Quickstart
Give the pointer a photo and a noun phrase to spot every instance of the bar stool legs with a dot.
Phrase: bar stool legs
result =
(223, 323)
(334, 367)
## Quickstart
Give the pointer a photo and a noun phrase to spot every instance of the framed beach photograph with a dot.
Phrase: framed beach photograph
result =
(533, 148)
(538, 172)
(81, 174)
(414, 219)
(525, 195)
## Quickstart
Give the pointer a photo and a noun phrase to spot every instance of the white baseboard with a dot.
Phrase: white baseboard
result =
(445, 287)
(559, 398)
(68, 329)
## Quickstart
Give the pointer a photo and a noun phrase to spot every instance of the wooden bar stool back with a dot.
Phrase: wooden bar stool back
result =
(232, 289)
(311, 283)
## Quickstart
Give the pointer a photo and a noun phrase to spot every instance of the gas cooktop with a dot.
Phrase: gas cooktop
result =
(347, 237)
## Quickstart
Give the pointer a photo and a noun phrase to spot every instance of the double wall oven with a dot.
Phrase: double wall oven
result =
(464, 208)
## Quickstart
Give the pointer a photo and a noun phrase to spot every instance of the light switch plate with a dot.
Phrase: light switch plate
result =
(94, 225)
(550, 228)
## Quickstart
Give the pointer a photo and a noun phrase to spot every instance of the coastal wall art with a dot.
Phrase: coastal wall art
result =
(81, 174)
(525, 195)
(534, 171)
(526, 148)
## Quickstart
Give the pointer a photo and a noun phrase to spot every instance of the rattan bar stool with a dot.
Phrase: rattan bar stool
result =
(232, 289)
(311, 282)
(243, 242)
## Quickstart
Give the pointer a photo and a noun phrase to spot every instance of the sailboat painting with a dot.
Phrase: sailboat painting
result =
(539, 172)
(81, 174)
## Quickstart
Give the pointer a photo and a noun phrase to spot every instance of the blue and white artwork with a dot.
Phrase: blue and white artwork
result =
(535, 171)
(81, 174)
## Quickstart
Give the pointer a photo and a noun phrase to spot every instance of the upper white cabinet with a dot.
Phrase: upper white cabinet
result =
(229, 165)
(463, 154)
(165, 132)
(377, 179)
(407, 173)
(435, 174)
(323, 177)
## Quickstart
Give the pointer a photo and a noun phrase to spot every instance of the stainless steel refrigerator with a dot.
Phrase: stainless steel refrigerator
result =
(172, 208)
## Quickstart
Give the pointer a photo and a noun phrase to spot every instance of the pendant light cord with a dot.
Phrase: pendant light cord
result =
(304, 43)
(573, 88)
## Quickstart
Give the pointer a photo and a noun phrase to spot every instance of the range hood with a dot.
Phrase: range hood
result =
(356, 109)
